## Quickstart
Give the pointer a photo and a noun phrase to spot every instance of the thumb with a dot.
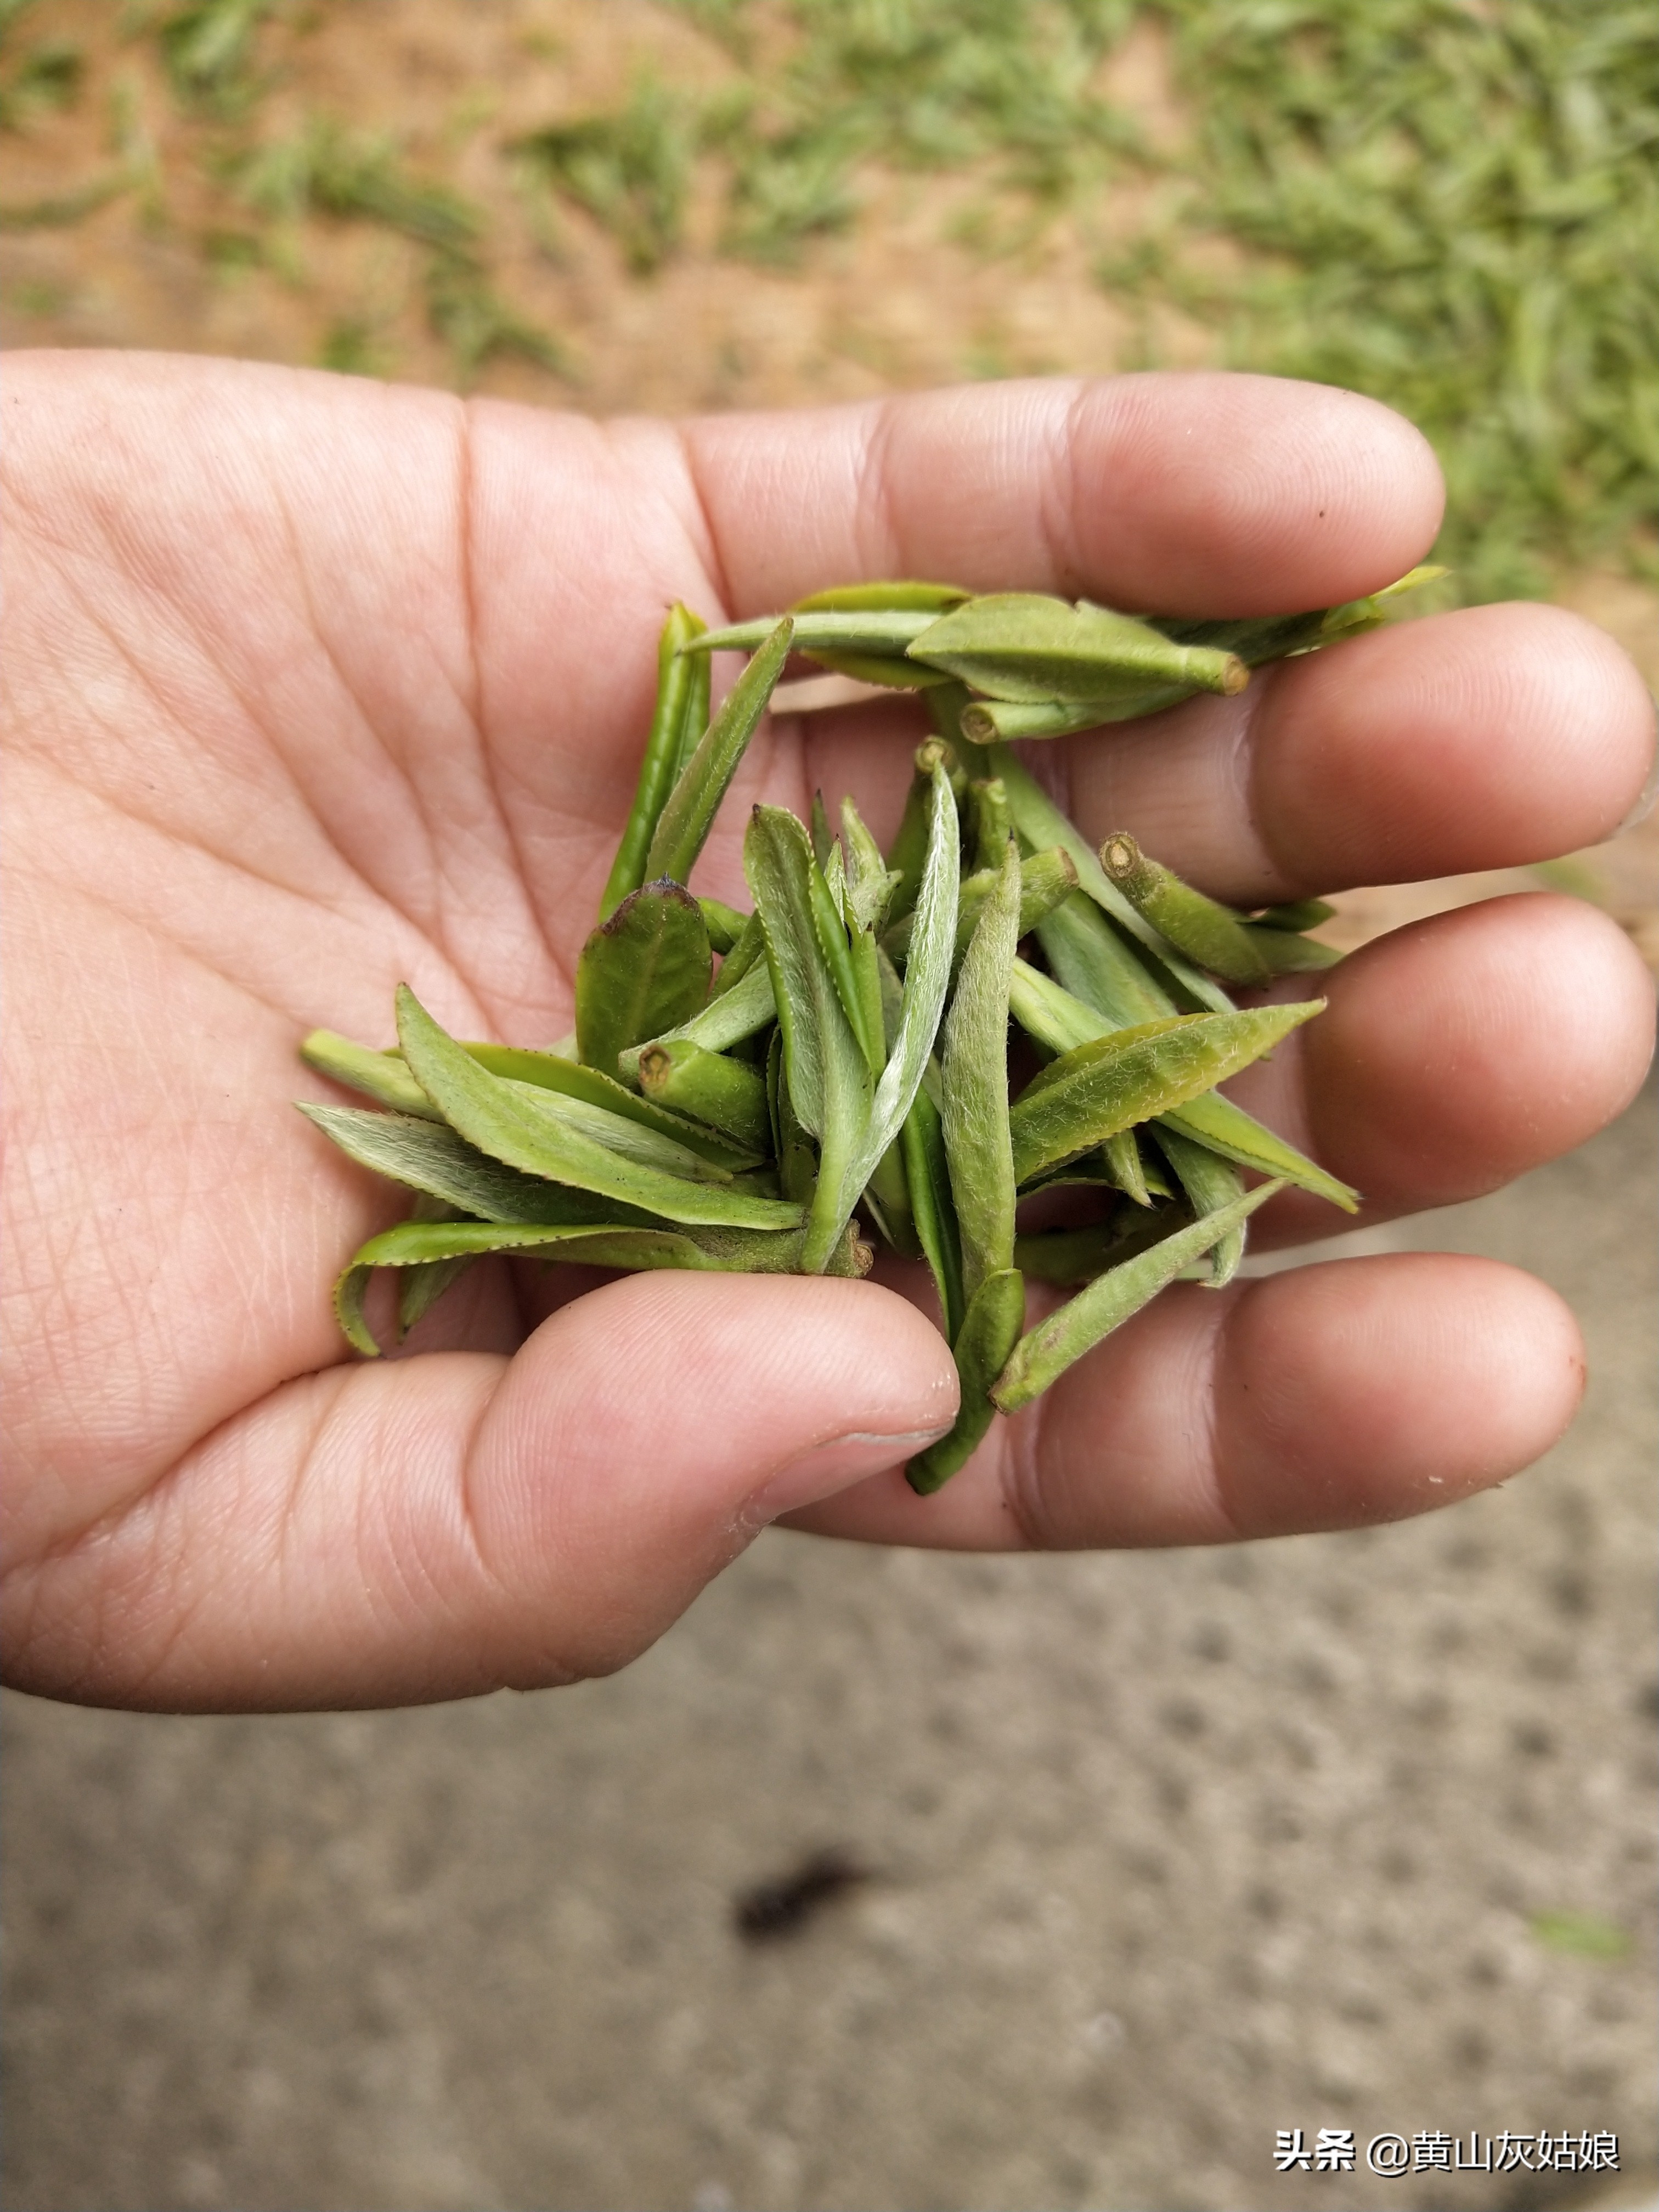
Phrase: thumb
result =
(447, 1525)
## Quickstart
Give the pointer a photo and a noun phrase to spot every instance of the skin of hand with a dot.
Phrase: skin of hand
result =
(312, 685)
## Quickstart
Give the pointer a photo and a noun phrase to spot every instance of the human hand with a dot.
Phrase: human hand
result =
(313, 686)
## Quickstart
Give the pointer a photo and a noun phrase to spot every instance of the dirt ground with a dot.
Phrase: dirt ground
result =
(1169, 1852)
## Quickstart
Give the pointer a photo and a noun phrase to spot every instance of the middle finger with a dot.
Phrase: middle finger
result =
(1482, 739)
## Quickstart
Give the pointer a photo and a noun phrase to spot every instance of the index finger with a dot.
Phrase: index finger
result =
(1179, 494)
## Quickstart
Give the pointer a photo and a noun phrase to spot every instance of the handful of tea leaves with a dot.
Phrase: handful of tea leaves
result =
(844, 1069)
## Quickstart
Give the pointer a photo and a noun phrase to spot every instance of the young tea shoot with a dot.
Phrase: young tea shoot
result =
(787, 1086)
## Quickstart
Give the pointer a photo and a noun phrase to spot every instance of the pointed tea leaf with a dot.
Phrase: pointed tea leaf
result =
(926, 981)
(428, 1157)
(987, 1336)
(1059, 1021)
(826, 1073)
(1042, 1356)
(681, 716)
(1078, 1101)
(424, 1244)
(975, 1064)
(1023, 645)
(689, 813)
(506, 1120)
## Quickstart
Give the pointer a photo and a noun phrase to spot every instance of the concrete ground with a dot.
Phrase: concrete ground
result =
(1170, 1853)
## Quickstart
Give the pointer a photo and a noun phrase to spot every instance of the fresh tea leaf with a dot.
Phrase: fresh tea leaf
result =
(1041, 1357)
(1025, 646)
(688, 812)
(1118, 1080)
(989, 1332)
(975, 1069)
(645, 969)
(503, 1120)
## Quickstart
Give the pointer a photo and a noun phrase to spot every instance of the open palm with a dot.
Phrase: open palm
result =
(313, 686)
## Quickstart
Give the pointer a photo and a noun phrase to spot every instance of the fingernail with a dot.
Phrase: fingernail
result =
(828, 1468)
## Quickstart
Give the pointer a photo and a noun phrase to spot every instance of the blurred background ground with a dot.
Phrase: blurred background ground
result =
(1170, 1851)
